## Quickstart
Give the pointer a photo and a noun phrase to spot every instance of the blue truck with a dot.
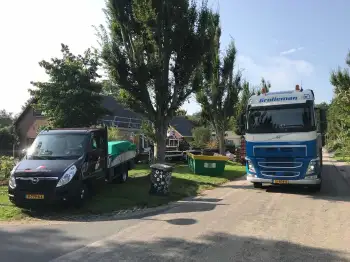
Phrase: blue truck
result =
(284, 135)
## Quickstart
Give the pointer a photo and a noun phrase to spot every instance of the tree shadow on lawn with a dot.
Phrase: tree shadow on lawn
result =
(134, 193)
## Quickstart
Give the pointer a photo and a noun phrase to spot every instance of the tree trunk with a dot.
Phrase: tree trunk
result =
(160, 143)
(221, 141)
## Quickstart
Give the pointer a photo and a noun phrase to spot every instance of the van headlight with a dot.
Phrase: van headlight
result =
(67, 176)
(12, 182)
(251, 168)
(313, 166)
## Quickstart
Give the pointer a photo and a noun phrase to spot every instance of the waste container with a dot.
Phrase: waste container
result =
(207, 165)
(160, 179)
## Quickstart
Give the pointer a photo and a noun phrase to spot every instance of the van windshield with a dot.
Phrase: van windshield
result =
(281, 119)
(57, 146)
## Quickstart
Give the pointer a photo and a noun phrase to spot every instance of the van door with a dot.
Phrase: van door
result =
(97, 155)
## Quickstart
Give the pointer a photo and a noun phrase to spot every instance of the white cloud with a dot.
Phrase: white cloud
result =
(283, 73)
(292, 50)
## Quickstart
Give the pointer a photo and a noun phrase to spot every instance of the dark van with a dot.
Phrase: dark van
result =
(63, 165)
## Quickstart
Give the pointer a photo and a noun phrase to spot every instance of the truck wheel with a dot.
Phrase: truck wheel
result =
(81, 197)
(257, 185)
(124, 175)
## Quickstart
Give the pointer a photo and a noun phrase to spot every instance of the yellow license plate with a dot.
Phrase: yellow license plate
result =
(34, 196)
(280, 181)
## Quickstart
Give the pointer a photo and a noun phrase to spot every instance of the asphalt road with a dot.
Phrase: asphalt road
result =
(232, 223)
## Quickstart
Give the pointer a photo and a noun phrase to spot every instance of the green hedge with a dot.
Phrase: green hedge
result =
(6, 165)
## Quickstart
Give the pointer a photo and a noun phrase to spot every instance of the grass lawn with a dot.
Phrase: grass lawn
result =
(135, 191)
(341, 157)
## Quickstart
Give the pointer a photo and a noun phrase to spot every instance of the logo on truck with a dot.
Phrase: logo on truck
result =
(277, 99)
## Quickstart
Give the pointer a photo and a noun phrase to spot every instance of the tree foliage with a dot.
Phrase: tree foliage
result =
(6, 118)
(338, 134)
(152, 50)
(220, 85)
(181, 112)
(113, 134)
(71, 97)
(201, 137)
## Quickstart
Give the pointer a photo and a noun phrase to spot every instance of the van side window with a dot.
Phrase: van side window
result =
(94, 143)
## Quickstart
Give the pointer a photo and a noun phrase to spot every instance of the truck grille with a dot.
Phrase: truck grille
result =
(280, 167)
(280, 150)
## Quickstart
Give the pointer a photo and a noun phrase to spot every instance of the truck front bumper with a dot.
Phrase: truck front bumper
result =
(253, 179)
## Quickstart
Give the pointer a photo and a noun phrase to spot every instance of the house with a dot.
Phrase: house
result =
(128, 123)
(231, 138)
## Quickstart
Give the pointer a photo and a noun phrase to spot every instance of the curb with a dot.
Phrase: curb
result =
(340, 170)
(132, 213)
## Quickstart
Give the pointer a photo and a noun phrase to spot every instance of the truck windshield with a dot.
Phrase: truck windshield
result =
(281, 119)
(57, 146)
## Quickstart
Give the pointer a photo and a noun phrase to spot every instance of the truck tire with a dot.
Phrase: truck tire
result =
(82, 196)
(257, 185)
(124, 175)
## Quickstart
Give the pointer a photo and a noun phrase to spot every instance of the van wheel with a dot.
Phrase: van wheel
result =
(257, 185)
(81, 197)
(124, 175)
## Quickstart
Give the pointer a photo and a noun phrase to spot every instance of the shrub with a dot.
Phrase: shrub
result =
(6, 165)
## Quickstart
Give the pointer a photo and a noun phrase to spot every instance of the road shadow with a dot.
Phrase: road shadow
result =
(334, 186)
(210, 247)
(35, 244)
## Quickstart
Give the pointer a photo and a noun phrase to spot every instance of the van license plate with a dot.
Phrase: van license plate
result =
(280, 181)
(34, 196)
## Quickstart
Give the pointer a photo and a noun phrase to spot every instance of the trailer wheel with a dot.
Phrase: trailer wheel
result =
(124, 175)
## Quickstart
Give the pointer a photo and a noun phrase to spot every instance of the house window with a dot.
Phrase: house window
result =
(37, 113)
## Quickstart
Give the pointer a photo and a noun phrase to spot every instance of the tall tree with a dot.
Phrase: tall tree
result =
(339, 109)
(6, 118)
(246, 92)
(218, 96)
(181, 112)
(152, 49)
(263, 85)
(71, 97)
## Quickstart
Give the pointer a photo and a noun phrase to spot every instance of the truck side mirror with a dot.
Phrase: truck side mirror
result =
(23, 152)
(323, 124)
(241, 123)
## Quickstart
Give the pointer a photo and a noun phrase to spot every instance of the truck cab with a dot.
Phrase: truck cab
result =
(284, 135)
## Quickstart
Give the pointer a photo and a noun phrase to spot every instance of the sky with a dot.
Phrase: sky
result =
(286, 42)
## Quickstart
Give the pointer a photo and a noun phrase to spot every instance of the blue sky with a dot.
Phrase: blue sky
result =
(284, 41)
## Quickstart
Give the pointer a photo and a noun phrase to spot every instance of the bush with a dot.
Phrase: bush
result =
(6, 165)
(7, 139)
(113, 134)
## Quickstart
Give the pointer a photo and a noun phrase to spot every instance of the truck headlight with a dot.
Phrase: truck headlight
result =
(67, 176)
(313, 166)
(251, 168)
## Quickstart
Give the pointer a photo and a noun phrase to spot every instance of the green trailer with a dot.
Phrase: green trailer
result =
(207, 165)
(121, 158)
